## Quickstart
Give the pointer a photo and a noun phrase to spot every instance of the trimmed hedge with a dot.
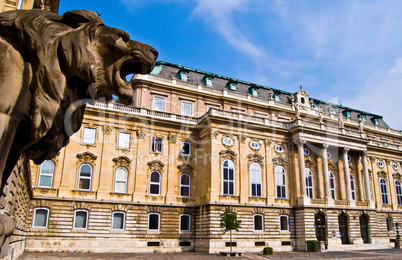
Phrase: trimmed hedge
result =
(268, 251)
(311, 245)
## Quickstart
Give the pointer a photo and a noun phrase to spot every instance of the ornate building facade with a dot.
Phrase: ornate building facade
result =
(155, 176)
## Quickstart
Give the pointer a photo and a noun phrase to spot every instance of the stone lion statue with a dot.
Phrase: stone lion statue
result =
(48, 62)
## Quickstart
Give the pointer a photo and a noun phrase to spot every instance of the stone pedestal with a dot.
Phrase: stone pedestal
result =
(320, 246)
(304, 201)
(398, 243)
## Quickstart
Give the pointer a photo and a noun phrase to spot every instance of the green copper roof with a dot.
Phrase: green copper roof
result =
(278, 91)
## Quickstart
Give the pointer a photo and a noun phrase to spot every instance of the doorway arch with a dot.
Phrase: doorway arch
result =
(319, 224)
(343, 228)
(364, 228)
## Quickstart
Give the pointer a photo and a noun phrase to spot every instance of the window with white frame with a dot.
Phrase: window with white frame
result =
(158, 103)
(258, 222)
(185, 183)
(157, 144)
(280, 180)
(398, 190)
(81, 219)
(255, 145)
(309, 183)
(352, 187)
(185, 149)
(46, 172)
(228, 177)
(255, 180)
(183, 76)
(85, 177)
(89, 135)
(153, 221)
(284, 223)
(185, 223)
(187, 108)
(384, 191)
(331, 184)
(390, 224)
(306, 151)
(118, 220)
(124, 140)
(120, 180)
(209, 82)
(40, 218)
(155, 183)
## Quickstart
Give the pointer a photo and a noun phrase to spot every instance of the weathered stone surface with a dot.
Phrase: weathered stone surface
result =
(50, 66)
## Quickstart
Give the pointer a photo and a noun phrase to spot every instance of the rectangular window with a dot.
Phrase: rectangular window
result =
(81, 219)
(284, 223)
(124, 140)
(118, 219)
(153, 221)
(187, 108)
(158, 103)
(157, 143)
(185, 222)
(258, 222)
(185, 149)
(40, 218)
(89, 135)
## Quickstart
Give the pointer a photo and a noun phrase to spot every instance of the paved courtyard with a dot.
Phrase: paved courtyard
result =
(389, 254)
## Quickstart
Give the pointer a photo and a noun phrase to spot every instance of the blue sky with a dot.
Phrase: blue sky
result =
(346, 50)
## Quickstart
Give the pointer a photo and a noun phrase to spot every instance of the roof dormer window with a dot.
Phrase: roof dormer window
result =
(375, 121)
(183, 75)
(254, 92)
(231, 86)
(208, 81)
(347, 114)
(277, 97)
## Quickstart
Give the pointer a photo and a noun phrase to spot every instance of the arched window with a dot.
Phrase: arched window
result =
(398, 189)
(155, 183)
(185, 184)
(255, 180)
(258, 222)
(80, 219)
(118, 220)
(331, 184)
(352, 187)
(40, 218)
(120, 180)
(228, 178)
(280, 182)
(384, 191)
(46, 172)
(85, 177)
(309, 182)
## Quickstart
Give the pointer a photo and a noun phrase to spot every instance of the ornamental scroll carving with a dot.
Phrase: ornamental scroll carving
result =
(87, 157)
(122, 161)
(156, 165)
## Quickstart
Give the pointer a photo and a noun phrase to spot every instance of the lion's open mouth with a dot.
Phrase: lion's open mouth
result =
(131, 67)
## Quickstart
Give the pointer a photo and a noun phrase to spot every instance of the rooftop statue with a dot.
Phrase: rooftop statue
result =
(48, 64)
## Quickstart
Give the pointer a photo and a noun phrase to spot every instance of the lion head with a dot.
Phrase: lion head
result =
(64, 59)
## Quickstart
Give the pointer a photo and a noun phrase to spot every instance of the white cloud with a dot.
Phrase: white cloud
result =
(382, 94)
(219, 15)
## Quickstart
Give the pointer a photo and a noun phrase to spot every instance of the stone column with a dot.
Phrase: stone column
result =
(347, 174)
(303, 199)
(366, 177)
(326, 174)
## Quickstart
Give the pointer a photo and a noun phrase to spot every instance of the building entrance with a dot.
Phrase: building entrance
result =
(364, 229)
(343, 228)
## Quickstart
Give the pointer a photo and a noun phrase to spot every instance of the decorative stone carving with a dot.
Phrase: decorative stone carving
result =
(185, 168)
(397, 176)
(107, 129)
(172, 139)
(382, 174)
(122, 161)
(141, 134)
(341, 121)
(228, 154)
(214, 134)
(87, 157)
(279, 161)
(242, 138)
(255, 157)
(156, 165)
(51, 66)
